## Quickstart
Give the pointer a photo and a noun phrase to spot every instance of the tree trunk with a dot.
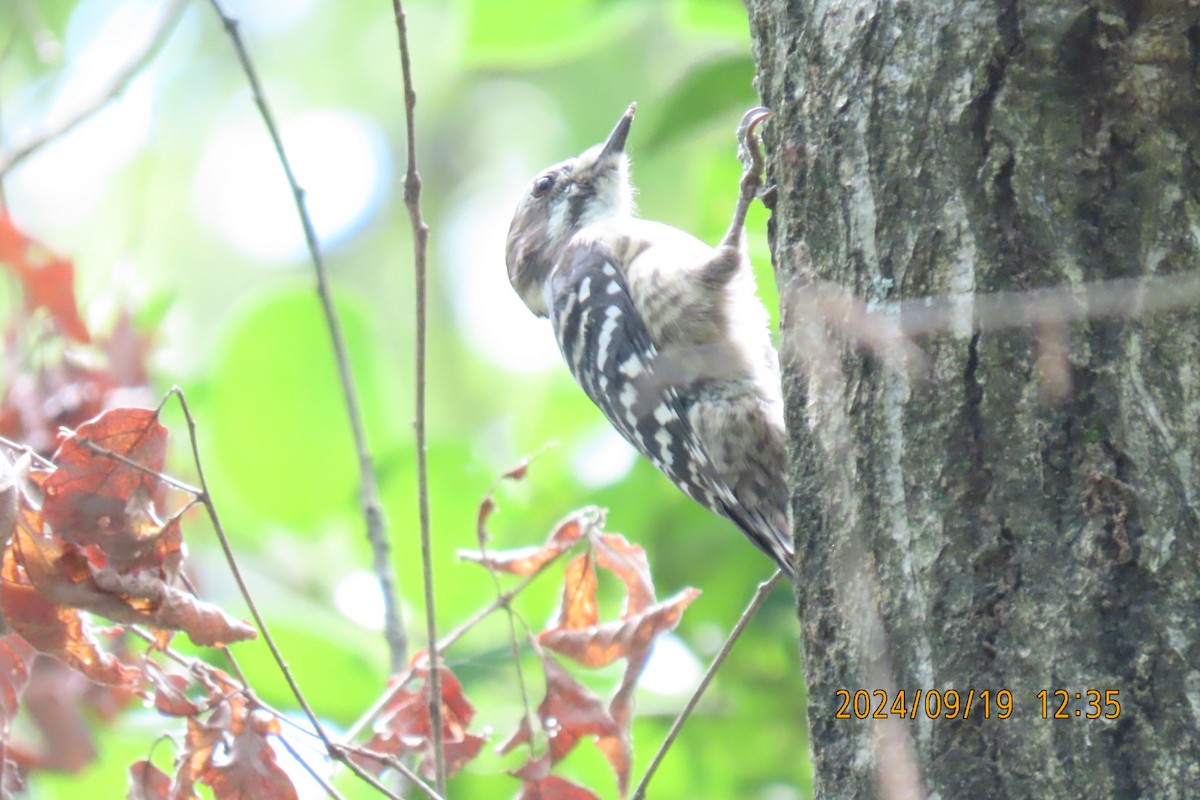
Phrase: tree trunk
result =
(1017, 511)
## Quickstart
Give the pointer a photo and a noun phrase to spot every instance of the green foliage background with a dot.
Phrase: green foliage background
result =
(504, 88)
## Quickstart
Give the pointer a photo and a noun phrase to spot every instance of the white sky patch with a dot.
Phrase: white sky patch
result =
(269, 18)
(341, 162)
(495, 321)
(358, 597)
(603, 458)
(673, 668)
(99, 38)
(63, 183)
(515, 129)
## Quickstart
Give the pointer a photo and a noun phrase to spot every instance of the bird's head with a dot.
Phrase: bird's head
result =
(561, 201)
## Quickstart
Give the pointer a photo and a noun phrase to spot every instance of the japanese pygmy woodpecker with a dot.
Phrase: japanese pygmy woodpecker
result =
(664, 333)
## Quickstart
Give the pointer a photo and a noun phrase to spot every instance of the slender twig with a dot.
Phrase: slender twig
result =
(514, 647)
(16, 447)
(397, 765)
(101, 450)
(372, 509)
(445, 643)
(412, 201)
(236, 571)
(764, 589)
(320, 779)
(192, 665)
(11, 157)
(335, 751)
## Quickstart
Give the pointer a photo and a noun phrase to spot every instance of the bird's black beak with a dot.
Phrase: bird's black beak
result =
(616, 140)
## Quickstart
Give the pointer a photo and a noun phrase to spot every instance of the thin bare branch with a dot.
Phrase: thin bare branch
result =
(101, 450)
(320, 779)
(446, 643)
(395, 764)
(17, 447)
(335, 751)
(514, 647)
(367, 777)
(193, 665)
(372, 509)
(760, 595)
(412, 201)
(236, 571)
(140, 57)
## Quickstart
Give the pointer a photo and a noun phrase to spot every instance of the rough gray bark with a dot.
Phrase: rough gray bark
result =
(1008, 517)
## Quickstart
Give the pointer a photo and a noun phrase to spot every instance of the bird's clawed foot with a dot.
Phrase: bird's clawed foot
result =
(749, 146)
(750, 154)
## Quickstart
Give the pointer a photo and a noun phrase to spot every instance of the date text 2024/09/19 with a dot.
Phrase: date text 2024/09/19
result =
(985, 703)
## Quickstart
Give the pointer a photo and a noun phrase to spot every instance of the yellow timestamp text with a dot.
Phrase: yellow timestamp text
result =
(1086, 704)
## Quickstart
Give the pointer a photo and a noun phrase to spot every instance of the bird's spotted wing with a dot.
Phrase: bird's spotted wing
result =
(608, 349)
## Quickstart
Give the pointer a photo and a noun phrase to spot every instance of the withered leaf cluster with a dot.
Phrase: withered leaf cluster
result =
(85, 532)
(570, 712)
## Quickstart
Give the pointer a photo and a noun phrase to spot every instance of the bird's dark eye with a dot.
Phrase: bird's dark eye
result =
(543, 185)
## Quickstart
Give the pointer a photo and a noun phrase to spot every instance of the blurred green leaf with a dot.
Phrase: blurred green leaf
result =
(711, 90)
(150, 314)
(276, 418)
(340, 667)
(725, 17)
(538, 32)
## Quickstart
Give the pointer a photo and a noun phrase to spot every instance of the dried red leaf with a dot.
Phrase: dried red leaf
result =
(528, 560)
(150, 600)
(219, 683)
(147, 782)
(231, 752)
(488, 504)
(170, 691)
(204, 741)
(404, 725)
(577, 633)
(553, 787)
(58, 393)
(570, 711)
(10, 510)
(579, 608)
(486, 507)
(249, 771)
(601, 644)
(92, 498)
(53, 702)
(628, 562)
(128, 349)
(539, 784)
(522, 735)
(11, 497)
(62, 573)
(55, 629)
(48, 280)
(12, 778)
(16, 656)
